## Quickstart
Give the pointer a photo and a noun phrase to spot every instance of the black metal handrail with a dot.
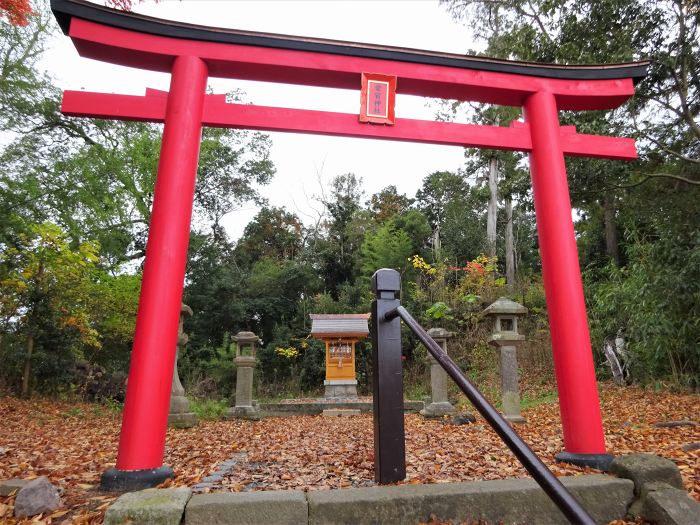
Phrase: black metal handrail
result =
(561, 497)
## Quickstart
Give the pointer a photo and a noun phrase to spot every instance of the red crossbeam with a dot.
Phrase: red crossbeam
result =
(218, 113)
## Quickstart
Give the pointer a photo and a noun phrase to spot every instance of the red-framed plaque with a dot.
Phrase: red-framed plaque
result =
(378, 98)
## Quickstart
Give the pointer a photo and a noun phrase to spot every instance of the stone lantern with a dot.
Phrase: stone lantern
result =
(439, 404)
(505, 336)
(180, 415)
(246, 350)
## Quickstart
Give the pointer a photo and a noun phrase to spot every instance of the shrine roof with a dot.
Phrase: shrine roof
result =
(339, 325)
(65, 10)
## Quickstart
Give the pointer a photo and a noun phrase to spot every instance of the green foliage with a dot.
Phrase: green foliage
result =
(388, 203)
(209, 409)
(59, 308)
(438, 311)
(274, 234)
(417, 388)
(545, 398)
(23, 87)
(455, 293)
(114, 314)
(654, 299)
(338, 250)
(388, 247)
(209, 371)
(114, 406)
(291, 364)
(73, 412)
(47, 303)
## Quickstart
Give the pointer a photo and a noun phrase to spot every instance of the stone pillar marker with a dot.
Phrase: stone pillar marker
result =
(505, 336)
(439, 404)
(180, 415)
(246, 348)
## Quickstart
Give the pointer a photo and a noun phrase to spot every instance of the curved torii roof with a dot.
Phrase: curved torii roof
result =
(65, 10)
(150, 43)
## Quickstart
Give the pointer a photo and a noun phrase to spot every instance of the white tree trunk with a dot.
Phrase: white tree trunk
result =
(492, 209)
(510, 245)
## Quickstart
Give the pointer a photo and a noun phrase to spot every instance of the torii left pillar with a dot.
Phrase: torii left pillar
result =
(144, 423)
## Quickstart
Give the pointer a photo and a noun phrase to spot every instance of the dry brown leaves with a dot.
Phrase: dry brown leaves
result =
(73, 444)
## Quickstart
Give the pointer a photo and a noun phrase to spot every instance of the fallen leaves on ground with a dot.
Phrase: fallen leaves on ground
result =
(72, 444)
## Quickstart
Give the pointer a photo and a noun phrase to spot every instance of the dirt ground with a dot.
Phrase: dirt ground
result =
(73, 443)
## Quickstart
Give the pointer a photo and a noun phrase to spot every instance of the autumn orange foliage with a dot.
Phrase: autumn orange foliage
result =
(19, 11)
(16, 11)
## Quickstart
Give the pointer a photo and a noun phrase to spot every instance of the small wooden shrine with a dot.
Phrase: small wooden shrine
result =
(340, 332)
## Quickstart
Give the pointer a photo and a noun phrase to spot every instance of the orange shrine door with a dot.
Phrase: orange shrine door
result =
(340, 359)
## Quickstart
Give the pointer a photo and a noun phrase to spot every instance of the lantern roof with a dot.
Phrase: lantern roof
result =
(503, 305)
(327, 326)
(440, 333)
(245, 337)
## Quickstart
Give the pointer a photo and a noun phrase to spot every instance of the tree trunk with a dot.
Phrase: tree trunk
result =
(611, 241)
(437, 246)
(510, 245)
(492, 209)
(27, 367)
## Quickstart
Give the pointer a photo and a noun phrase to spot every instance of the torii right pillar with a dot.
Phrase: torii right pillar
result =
(584, 442)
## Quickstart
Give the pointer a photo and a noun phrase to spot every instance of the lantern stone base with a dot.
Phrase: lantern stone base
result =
(183, 420)
(442, 408)
(511, 406)
(340, 388)
(180, 415)
(251, 412)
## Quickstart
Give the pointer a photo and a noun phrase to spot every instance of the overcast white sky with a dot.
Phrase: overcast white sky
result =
(300, 159)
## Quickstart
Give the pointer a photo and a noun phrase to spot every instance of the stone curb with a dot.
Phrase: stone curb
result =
(283, 507)
(658, 488)
(507, 501)
(510, 501)
(290, 409)
(666, 505)
(149, 507)
(646, 468)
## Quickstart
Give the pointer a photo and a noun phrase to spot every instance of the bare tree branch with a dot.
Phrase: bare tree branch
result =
(639, 183)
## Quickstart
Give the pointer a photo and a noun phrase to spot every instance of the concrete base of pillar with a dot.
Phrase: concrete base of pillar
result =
(440, 409)
(340, 388)
(183, 420)
(514, 419)
(114, 480)
(599, 461)
(252, 412)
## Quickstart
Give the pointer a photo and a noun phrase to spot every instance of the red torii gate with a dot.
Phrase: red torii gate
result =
(193, 53)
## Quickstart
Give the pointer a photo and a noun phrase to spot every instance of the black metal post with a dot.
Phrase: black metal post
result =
(561, 497)
(389, 435)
